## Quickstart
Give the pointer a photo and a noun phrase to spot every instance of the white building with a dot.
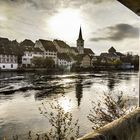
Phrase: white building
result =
(48, 48)
(8, 61)
(29, 52)
(64, 61)
(8, 55)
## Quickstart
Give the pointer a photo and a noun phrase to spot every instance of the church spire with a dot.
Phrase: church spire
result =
(80, 34)
(80, 42)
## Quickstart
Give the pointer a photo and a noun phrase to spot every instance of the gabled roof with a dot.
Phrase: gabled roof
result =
(4, 40)
(27, 42)
(104, 54)
(8, 47)
(48, 45)
(88, 51)
(75, 49)
(62, 44)
(108, 55)
(31, 49)
(37, 49)
(112, 50)
(119, 54)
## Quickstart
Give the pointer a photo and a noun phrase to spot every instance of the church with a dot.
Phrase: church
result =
(85, 55)
(80, 45)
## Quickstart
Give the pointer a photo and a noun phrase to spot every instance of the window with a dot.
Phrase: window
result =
(11, 65)
(24, 59)
(3, 66)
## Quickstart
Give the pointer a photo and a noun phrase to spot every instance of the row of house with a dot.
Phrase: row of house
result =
(14, 55)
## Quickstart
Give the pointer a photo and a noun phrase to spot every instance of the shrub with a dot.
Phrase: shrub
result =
(111, 109)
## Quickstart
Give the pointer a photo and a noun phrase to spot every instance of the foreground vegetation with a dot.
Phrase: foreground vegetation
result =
(64, 127)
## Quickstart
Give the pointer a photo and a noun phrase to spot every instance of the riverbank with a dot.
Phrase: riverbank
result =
(78, 69)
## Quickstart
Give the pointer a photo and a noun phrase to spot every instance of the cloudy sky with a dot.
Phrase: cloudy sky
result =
(104, 23)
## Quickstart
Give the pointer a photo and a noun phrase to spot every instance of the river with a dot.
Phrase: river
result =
(21, 94)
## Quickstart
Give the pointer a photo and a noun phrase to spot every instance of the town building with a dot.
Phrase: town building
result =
(85, 55)
(73, 51)
(111, 56)
(61, 46)
(84, 60)
(48, 48)
(29, 52)
(8, 55)
(64, 61)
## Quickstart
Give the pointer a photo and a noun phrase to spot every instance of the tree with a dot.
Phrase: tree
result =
(102, 114)
(62, 126)
(40, 62)
(48, 63)
(37, 62)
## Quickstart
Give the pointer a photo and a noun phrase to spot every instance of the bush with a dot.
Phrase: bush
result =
(110, 110)
(62, 126)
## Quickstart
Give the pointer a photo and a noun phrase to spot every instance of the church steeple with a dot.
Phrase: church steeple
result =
(80, 34)
(80, 42)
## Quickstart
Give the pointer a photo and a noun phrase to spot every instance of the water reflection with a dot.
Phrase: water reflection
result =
(115, 78)
(79, 89)
(20, 108)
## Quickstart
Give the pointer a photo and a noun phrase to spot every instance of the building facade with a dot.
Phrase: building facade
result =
(8, 55)
(48, 48)
(29, 52)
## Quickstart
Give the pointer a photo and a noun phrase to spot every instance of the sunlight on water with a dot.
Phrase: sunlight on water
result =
(65, 103)
(21, 96)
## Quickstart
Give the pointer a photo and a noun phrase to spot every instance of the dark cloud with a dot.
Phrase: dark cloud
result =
(118, 32)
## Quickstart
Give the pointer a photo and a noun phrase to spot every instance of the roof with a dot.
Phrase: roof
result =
(8, 47)
(27, 42)
(3, 40)
(112, 50)
(75, 49)
(88, 51)
(64, 56)
(62, 44)
(31, 49)
(119, 54)
(37, 49)
(109, 55)
(48, 45)
(80, 35)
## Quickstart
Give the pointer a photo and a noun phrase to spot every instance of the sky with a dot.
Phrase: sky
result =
(104, 23)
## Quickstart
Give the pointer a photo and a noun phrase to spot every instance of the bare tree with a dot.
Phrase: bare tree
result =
(111, 109)
(62, 126)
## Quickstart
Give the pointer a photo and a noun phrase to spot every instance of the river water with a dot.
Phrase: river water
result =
(21, 94)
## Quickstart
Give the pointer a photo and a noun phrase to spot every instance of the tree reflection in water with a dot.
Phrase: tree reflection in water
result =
(79, 89)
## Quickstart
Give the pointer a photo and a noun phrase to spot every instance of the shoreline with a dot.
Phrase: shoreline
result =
(66, 71)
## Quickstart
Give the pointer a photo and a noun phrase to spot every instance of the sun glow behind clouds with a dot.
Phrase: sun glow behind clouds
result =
(64, 24)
